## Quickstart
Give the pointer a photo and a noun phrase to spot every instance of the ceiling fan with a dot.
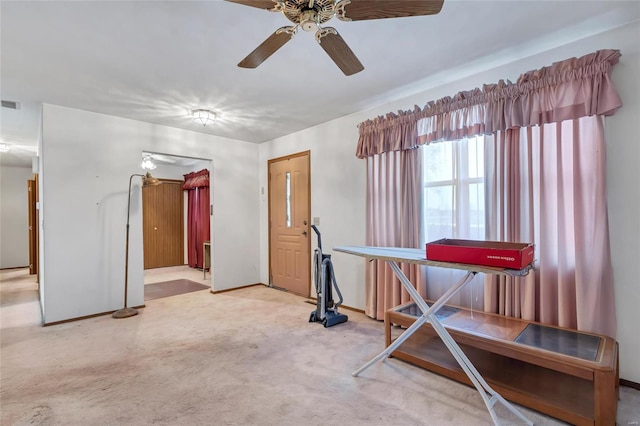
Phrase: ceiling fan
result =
(310, 14)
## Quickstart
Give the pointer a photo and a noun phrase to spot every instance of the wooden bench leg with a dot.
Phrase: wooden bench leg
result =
(605, 397)
(387, 329)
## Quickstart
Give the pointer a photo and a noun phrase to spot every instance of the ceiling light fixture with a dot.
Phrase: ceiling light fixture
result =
(147, 163)
(203, 116)
(4, 147)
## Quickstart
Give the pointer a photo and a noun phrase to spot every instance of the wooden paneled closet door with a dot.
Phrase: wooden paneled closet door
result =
(163, 224)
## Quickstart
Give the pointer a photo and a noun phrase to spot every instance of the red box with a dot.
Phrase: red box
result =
(487, 253)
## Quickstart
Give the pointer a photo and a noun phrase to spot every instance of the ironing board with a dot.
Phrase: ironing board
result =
(393, 255)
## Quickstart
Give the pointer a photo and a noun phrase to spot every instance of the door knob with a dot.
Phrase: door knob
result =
(304, 233)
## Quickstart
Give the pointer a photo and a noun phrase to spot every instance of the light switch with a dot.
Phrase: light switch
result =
(316, 221)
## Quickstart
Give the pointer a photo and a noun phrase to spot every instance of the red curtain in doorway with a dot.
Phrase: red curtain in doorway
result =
(198, 229)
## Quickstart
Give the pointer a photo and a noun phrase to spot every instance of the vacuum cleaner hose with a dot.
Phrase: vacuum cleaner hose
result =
(335, 285)
(317, 263)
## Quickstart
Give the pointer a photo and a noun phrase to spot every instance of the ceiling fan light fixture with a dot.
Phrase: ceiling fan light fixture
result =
(311, 14)
(309, 20)
(4, 147)
(203, 116)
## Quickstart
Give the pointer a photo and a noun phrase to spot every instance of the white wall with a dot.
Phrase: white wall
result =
(86, 161)
(338, 178)
(14, 216)
(623, 187)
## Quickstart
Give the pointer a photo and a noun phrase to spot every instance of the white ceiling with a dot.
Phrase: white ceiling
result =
(155, 61)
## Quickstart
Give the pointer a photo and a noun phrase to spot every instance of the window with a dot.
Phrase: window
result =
(453, 203)
(454, 189)
(287, 201)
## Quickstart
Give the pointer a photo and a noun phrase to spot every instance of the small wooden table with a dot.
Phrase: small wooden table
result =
(206, 258)
(567, 374)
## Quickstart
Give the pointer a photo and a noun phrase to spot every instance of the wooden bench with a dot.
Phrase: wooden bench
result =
(570, 375)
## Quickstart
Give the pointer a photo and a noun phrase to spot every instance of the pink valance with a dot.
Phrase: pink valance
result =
(395, 132)
(569, 89)
(566, 90)
(452, 118)
(198, 179)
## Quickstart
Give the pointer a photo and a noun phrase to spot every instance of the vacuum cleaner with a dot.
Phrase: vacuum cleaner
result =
(325, 279)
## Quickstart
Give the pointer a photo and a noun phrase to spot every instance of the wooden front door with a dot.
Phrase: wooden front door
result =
(163, 224)
(289, 239)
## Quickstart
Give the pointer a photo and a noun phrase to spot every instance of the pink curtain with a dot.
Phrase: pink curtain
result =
(394, 187)
(545, 182)
(508, 217)
(547, 186)
(198, 224)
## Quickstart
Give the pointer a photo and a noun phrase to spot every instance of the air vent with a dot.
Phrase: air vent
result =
(11, 104)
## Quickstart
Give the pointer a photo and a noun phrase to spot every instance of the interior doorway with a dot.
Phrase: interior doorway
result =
(170, 169)
(289, 227)
(34, 243)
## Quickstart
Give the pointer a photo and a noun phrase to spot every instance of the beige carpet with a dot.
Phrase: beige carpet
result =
(247, 357)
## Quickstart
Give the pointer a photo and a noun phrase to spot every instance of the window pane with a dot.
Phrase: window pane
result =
(439, 214)
(476, 211)
(438, 162)
(288, 198)
(453, 198)
(454, 190)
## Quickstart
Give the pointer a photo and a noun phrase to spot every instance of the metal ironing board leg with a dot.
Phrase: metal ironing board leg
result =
(489, 396)
(424, 307)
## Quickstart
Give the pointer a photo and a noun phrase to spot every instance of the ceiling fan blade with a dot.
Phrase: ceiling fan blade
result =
(260, 4)
(268, 47)
(359, 10)
(337, 49)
